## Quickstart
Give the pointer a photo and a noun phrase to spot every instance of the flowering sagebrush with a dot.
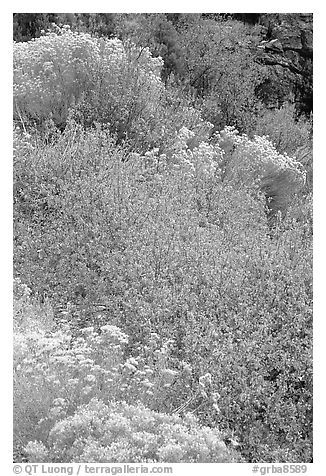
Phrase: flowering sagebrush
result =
(61, 69)
(253, 159)
(55, 373)
(121, 433)
(171, 292)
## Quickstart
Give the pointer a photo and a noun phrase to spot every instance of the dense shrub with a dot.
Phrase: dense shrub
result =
(119, 85)
(178, 245)
(156, 32)
(156, 263)
(164, 35)
(86, 193)
(97, 80)
(290, 135)
(55, 373)
(220, 68)
(287, 132)
(29, 25)
(120, 433)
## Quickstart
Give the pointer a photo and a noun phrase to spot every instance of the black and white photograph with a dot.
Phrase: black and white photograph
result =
(162, 240)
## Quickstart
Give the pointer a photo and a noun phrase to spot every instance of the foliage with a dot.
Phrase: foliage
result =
(97, 24)
(212, 59)
(98, 81)
(284, 129)
(29, 25)
(54, 374)
(164, 35)
(290, 135)
(62, 69)
(157, 262)
(177, 245)
(156, 32)
(220, 67)
(121, 433)
(90, 195)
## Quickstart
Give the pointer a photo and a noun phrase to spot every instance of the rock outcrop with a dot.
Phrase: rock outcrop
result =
(288, 43)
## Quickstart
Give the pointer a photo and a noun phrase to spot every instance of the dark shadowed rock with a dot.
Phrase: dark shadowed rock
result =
(288, 43)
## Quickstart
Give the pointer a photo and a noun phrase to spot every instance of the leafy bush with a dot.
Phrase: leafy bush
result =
(287, 132)
(220, 67)
(156, 32)
(29, 25)
(290, 135)
(87, 204)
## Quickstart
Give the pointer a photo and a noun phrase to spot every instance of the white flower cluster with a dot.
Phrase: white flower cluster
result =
(202, 160)
(53, 72)
(252, 160)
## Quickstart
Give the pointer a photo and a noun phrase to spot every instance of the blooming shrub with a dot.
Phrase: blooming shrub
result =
(54, 373)
(121, 433)
(148, 270)
(106, 80)
(257, 164)
(253, 159)
(98, 80)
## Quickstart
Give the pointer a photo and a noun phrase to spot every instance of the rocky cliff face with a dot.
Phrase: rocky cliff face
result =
(288, 43)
